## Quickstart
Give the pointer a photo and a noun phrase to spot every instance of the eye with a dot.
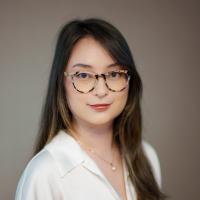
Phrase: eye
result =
(114, 74)
(83, 75)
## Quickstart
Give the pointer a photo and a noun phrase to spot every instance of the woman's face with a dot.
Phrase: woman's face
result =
(89, 52)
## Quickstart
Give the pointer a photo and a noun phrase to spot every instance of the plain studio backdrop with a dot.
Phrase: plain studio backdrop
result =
(164, 38)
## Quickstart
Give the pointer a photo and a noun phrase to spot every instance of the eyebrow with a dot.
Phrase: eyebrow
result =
(90, 66)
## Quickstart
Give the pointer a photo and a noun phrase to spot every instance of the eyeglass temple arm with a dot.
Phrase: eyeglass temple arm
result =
(69, 74)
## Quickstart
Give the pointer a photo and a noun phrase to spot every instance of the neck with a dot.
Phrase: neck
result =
(97, 137)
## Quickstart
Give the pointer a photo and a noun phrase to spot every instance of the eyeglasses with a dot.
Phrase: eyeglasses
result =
(85, 82)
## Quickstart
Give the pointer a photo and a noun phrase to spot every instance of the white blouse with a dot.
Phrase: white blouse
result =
(62, 170)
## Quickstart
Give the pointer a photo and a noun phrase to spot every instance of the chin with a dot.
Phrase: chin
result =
(98, 122)
(96, 118)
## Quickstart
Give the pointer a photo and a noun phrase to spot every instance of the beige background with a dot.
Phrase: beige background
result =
(164, 38)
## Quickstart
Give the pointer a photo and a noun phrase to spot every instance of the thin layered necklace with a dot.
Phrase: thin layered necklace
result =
(91, 150)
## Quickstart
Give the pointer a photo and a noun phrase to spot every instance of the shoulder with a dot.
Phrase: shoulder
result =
(41, 164)
(39, 179)
(152, 156)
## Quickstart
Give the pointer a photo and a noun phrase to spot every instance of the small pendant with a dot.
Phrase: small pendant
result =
(113, 167)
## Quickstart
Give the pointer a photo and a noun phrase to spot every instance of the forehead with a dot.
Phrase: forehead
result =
(89, 53)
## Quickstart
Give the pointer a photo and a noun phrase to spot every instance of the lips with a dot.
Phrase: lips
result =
(100, 107)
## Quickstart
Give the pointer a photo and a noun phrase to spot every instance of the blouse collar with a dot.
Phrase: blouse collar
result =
(68, 155)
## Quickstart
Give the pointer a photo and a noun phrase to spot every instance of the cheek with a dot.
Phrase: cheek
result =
(121, 99)
(74, 99)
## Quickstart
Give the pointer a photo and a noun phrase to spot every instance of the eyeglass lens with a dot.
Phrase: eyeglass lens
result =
(85, 81)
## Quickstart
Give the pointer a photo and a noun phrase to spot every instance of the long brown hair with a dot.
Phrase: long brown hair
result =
(127, 126)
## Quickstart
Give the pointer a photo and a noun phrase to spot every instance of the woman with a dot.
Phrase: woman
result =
(90, 144)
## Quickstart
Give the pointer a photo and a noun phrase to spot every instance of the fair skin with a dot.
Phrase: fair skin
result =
(94, 128)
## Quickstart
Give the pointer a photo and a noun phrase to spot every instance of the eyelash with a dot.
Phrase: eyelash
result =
(78, 74)
(91, 72)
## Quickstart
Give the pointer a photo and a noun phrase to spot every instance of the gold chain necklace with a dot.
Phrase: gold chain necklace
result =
(113, 167)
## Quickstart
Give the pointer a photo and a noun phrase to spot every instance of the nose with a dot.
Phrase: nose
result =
(100, 88)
